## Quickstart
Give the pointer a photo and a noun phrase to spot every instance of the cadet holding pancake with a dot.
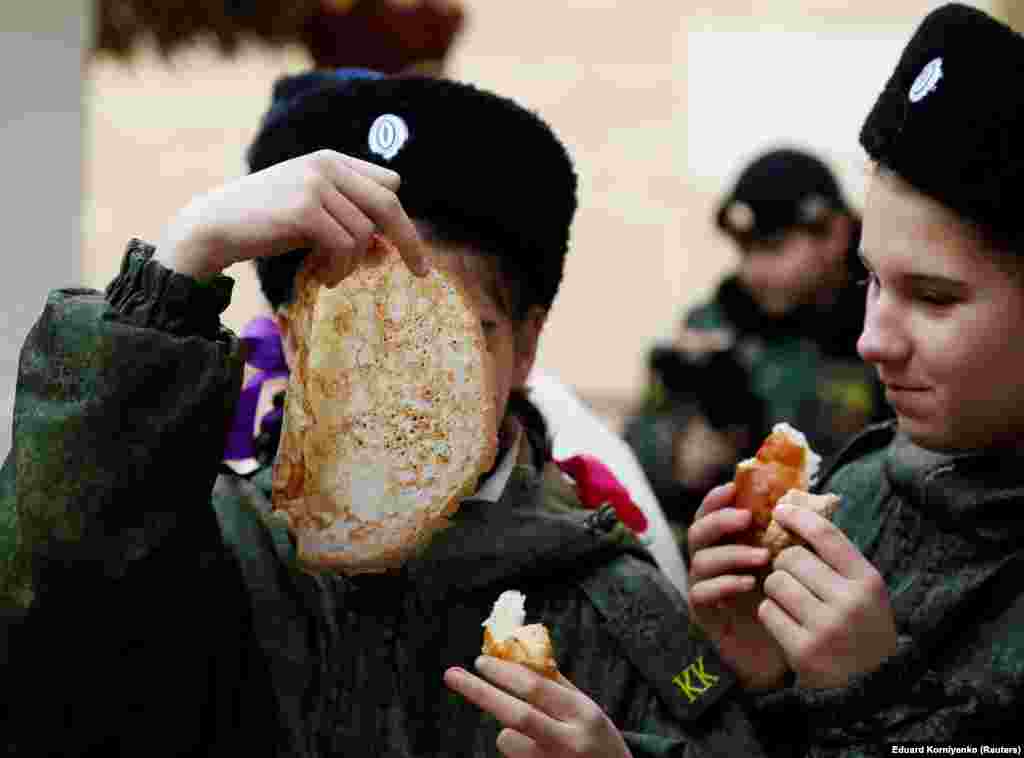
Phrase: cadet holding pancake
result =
(324, 604)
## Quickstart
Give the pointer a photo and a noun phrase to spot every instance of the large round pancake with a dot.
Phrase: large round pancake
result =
(389, 416)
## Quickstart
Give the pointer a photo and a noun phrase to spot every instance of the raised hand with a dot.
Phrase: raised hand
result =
(325, 201)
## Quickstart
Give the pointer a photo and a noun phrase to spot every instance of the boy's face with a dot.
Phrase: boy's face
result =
(943, 323)
(512, 345)
(785, 273)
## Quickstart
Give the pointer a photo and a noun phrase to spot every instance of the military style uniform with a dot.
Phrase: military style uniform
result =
(165, 612)
(945, 533)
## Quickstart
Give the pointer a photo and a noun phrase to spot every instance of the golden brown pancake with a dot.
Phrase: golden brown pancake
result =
(508, 638)
(389, 418)
(780, 472)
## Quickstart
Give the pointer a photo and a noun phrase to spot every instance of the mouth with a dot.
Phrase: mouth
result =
(908, 400)
(902, 385)
(901, 388)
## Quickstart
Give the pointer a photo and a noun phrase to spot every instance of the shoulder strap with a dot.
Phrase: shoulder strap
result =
(650, 621)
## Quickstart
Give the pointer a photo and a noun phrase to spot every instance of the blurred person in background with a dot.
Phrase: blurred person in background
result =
(776, 341)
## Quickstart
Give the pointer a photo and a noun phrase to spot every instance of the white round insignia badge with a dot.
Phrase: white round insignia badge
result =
(387, 135)
(926, 81)
(740, 217)
(813, 209)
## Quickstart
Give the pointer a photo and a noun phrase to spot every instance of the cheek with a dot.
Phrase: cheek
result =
(806, 265)
(757, 272)
(966, 356)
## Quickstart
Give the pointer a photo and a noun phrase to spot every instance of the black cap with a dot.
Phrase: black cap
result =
(950, 120)
(780, 190)
(480, 168)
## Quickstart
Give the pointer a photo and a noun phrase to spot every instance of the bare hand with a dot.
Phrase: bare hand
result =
(542, 717)
(829, 611)
(723, 596)
(325, 201)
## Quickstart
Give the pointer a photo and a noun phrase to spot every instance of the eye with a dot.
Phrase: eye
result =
(488, 326)
(935, 297)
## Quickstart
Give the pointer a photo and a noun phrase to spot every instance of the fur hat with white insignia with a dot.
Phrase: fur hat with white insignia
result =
(950, 120)
(481, 169)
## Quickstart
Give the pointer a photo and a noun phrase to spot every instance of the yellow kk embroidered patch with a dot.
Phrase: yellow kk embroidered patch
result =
(693, 681)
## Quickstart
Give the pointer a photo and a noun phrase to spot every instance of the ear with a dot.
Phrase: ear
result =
(526, 340)
(284, 325)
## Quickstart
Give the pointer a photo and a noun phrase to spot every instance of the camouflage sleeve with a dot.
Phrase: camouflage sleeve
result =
(121, 404)
(667, 691)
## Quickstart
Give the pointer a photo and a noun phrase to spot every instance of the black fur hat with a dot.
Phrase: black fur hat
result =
(950, 120)
(780, 190)
(481, 169)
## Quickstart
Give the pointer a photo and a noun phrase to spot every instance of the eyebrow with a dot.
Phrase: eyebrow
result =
(922, 280)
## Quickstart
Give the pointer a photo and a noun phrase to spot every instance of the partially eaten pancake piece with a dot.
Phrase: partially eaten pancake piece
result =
(507, 637)
(777, 539)
(780, 472)
(389, 417)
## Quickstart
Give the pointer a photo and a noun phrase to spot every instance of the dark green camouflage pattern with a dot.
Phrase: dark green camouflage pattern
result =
(165, 613)
(162, 610)
(828, 397)
(946, 535)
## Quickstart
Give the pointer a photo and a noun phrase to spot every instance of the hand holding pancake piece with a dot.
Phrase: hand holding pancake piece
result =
(544, 714)
(819, 595)
(826, 604)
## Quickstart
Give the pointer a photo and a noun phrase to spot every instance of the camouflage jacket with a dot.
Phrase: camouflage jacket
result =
(946, 535)
(164, 612)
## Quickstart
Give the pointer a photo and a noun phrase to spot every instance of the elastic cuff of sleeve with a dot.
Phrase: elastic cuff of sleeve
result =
(148, 295)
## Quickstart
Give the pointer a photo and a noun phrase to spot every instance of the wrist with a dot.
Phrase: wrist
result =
(148, 294)
(187, 249)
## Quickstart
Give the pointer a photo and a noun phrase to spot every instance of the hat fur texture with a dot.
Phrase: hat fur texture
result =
(950, 120)
(480, 168)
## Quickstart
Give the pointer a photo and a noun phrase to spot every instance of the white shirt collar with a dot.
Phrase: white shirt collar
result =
(495, 484)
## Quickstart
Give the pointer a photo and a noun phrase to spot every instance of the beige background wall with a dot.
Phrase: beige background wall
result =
(658, 102)
(41, 155)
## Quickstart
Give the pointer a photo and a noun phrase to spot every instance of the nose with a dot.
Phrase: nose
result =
(882, 340)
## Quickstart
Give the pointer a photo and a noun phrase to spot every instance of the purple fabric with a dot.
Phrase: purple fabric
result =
(264, 352)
